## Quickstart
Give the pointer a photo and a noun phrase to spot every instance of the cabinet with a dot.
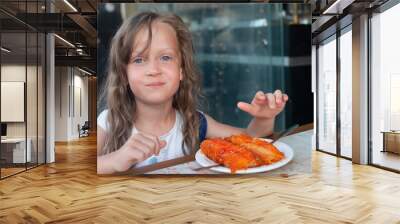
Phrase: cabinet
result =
(391, 141)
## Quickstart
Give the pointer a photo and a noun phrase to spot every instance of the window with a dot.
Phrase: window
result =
(327, 96)
(346, 93)
(385, 89)
(22, 75)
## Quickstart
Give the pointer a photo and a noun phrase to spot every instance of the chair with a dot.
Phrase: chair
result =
(84, 130)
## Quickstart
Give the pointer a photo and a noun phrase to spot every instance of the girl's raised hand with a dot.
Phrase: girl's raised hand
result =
(265, 105)
(137, 148)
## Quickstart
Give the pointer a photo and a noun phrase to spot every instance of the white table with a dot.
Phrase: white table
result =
(301, 163)
(18, 145)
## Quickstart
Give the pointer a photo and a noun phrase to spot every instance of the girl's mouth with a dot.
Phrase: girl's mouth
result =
(155, 84)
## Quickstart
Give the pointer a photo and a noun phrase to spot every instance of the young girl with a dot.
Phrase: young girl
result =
(152, 90)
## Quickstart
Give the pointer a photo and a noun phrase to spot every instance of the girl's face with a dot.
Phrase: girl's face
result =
(154, 74)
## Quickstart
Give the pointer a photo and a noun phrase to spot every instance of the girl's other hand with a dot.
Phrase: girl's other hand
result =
(265, 105)
(137, 148)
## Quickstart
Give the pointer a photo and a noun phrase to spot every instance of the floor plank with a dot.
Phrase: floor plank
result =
(69, 191)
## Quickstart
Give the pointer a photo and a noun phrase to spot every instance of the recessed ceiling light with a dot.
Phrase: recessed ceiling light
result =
(70, 5)
(64, 40)
(338, 6)
(5, 50)
(84, 71)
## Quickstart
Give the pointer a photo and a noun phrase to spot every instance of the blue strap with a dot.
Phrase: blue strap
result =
(203, 127)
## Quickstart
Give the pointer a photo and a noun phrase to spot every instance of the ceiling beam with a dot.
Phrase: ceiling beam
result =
(79, 20)
(84, 24)
(82, 61)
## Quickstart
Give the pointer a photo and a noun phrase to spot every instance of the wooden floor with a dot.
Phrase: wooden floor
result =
(10, 171)
(387, 159)
(69, 191)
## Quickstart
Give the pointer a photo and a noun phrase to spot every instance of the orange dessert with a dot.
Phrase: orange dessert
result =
(228, 154)
(240, 152)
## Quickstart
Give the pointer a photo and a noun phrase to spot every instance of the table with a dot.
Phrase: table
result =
(301, 163)
(15, 148)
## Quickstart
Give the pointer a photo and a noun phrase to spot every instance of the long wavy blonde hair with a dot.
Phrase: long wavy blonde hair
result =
(120, 99)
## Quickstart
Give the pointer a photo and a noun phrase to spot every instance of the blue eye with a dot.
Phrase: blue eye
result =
(138, 60)
(166, 58)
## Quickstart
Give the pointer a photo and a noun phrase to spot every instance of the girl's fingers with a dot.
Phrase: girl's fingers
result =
(151, 137)
(260, 98)
(138, 143)
(162, 144)
(150, 143)
(159, 143)
(285, 97)
(141, 151)
(141, 145)
(278, 97)
(138, 155)
(265, 103)
(150, 140)
(260, 95)
(246, 107)
(271, 100)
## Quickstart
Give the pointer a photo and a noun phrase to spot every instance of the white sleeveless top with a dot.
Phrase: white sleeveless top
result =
(174, 139)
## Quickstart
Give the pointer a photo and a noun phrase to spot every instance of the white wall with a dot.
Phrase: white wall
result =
(80, 89)
(70, 83)
(13, 73)
(61, 103)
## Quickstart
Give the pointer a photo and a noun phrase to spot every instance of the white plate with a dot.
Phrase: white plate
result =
(203, 160)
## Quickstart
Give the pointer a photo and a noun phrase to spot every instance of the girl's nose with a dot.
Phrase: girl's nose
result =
(153, 68)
